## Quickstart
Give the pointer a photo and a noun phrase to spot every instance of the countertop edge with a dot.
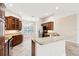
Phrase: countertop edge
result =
(48, 42)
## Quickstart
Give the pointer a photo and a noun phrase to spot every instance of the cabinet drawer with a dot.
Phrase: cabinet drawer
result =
(17, 40)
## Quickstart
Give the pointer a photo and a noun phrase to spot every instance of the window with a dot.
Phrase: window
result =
(28, 28)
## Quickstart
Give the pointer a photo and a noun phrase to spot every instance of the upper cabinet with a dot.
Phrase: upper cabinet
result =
(12, 23)
(20, 25)
(48, 25)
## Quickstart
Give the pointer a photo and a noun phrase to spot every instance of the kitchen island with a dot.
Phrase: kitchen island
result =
(48, 46)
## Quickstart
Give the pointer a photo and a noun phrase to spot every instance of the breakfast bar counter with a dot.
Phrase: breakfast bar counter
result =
(48, 46)
(48, 40)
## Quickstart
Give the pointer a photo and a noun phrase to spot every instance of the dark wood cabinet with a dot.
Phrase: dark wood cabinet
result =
(17, 24)
(33, 48)
(17, 40)
(20, 25)
(12, 23)
(47, 26)
(2, 46)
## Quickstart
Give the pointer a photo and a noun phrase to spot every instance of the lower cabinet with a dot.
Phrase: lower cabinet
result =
(2, 46)
(17, 40)
(6, 49)
(33, 48)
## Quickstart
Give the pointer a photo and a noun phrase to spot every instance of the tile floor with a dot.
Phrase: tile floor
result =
(23, 49)
(72, 49)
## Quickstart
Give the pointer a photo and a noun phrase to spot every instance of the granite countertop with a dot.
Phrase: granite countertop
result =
(48, 40)
(9, 36)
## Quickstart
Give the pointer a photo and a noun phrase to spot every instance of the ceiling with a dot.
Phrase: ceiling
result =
(43, 9)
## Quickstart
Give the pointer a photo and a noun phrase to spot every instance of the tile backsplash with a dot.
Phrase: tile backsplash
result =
(11, 32)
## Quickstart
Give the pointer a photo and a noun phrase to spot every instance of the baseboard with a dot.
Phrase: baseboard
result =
(73, 42)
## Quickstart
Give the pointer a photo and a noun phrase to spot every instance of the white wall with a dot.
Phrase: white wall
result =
(65, 26)
(77, 28)
(11, 13)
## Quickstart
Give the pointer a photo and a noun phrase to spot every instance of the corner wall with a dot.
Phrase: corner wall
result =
(67, 27)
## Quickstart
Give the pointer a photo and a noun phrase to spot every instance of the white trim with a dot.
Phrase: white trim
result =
(77, 42)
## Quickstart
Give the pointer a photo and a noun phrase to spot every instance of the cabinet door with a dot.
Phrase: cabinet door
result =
(50, 25)
(13, 24)
(17, 40)
(2, 46)
(20, 25)
(16, 24)
(33, 48)
(5, 49)
(10, 23)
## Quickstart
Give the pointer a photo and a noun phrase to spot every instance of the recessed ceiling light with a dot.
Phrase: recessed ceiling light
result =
(57, 8)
